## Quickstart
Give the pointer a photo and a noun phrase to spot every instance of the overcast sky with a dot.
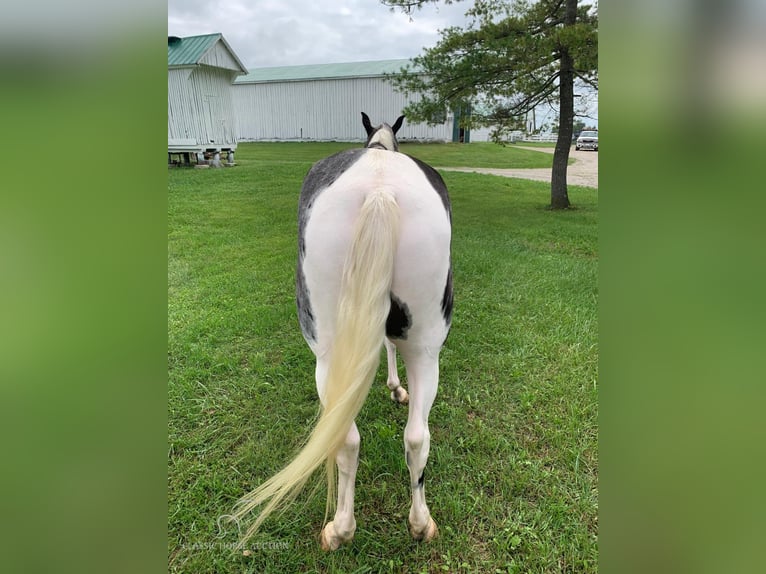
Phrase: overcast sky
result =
(286, 33)
(294, 32)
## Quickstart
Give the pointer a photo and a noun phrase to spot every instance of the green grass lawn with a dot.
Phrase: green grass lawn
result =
(512, 476)
(536, 144)
(441, 155)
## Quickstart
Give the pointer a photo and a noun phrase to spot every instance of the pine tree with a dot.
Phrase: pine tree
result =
(513, 56)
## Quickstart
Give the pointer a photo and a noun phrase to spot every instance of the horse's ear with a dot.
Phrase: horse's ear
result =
(397, 124)
(366, 123)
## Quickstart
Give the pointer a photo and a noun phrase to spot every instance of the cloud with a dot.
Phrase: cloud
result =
(276, 33)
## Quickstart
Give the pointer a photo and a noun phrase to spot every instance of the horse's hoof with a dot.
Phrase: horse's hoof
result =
(330, 540)
(400, 396)
(430, 532)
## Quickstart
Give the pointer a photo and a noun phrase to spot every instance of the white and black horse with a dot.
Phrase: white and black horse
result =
(374, 234)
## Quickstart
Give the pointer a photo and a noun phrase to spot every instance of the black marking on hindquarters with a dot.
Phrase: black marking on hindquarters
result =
(321, 176)
(447, 298)
(399, 319)
(436, 182)
(303, 302)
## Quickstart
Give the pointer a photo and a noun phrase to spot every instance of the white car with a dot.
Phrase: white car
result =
(587, 140)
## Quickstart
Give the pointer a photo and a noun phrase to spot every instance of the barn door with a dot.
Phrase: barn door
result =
(459, 133)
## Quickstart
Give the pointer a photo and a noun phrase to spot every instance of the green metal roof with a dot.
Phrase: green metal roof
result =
(191, 50)
(322, 71)
(188, 51)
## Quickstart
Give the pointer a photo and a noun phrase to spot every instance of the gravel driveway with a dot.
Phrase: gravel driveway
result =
(584, 170)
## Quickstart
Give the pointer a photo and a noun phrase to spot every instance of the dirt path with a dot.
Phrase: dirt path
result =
(584, 170)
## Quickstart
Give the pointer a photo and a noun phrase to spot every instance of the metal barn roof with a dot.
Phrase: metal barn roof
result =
(323, 71)
(191, 50)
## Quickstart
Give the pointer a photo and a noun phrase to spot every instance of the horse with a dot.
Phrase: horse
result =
(374, 268)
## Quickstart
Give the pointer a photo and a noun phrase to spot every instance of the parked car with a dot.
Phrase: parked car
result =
(587, 140)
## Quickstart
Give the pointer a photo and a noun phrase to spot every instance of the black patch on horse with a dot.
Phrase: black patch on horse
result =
(436, 182)
(399, 319)
(302, 300)
(447, 297)
(321, 176)
(422, 479)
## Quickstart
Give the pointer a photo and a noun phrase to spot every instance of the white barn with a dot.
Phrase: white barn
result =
(324, 102)
(201, 112)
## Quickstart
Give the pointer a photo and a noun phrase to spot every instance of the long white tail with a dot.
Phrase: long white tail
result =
(363, 307)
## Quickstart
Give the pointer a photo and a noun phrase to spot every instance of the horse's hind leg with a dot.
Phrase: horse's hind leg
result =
(398, 392)
(423, 379)
(343, 525)
(341, 529)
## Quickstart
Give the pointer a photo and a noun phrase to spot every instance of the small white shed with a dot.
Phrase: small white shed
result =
(201, 114)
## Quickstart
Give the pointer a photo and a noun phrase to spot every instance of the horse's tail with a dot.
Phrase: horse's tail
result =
(363, 308)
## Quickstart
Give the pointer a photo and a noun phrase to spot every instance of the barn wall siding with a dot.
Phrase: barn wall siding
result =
(181, 123)
(323, 110)
(200, 106)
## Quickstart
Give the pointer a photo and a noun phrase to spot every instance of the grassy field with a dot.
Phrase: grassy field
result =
(512, 476)
(536, 144)
(441, 155)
